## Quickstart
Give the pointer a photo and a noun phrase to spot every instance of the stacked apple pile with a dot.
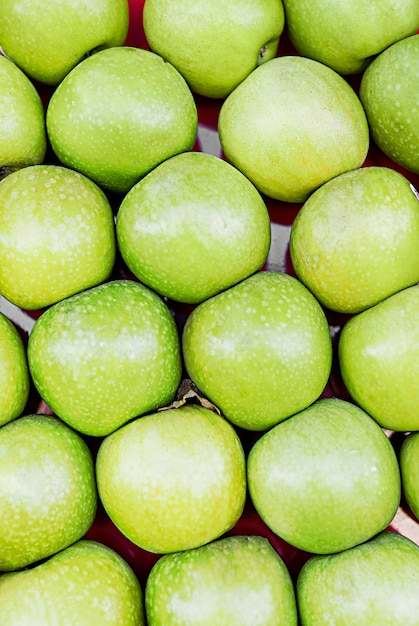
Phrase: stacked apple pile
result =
(209, 312)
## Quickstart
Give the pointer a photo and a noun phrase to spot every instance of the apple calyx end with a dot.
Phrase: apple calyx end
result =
(188, 393)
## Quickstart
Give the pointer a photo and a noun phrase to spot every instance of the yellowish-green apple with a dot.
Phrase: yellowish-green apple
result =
(409, 467)
(14, 373)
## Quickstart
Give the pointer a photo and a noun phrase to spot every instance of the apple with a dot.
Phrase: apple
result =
(260, 351)
(355, 240)
(409, 467)
(118, 114)
(375, 583)
(57, 236)
(193, 227)
(326, 479)
(105, 355)
(239, 581)
(214, 46)
(86, 583)
(346, 35)
(389, 92)
(48, 492)
(47, 39)
(173, 480)
(22, 120)
(292, 125)
(14, 373)
(379, 360)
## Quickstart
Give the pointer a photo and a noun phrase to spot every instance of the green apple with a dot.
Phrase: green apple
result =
(389, 92)
(120, 113)
(193, 227)
(47, 39)
(57, 236)
(173, 480)
(47, 489)
(379, 360)
(409, 467)
(260, 351)
(22, 120)
(105, 355)
(292, 125)
(214, 45)
(14, 374)
(326, 479)
(87, 583)
(355, 240)
(375, 583)
(346, 35)
(239, 581)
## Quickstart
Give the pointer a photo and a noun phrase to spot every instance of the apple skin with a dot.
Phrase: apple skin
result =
(292, 125)
(48, 494)
(409, 468)
(14, 373)
(57, 236)
(173, 480)
(46, 40)
(120, 113)
(351, 32)
(326, 479)
(22, 121)
(389, 96)
(379, 360)
(355, 240)
(87, 583)
(193, 227)
(214, 46)
(105, 355)
(375, 583)
(260, 351)
(239, 581)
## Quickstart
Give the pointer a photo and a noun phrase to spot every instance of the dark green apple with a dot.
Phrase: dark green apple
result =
(105, 355)
(57, 236)
(22, 120)
(86, 583)
(239, 581)
(326, 479)
(409, 467)
(173, 480)
(260, 351)
(14, 374)
(193, 227)
(292, 125)
(118, 114)
(47, 490)
(355, 240)
(379, 360)
(389, 92)
(375, 583)
(47, 39)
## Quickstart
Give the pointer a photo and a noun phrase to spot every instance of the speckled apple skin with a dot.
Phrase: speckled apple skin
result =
(85, 584)
(356, 239)
(389, 92)
(105, 355)
(120, 113)
(239, 581)
(292, 125)
(22, 121)
(47, 39)
(214, 45)
(379, 360)
(409, 467)
(325, 480)
(173, 480)
(375, 583)
(351, 32)
(193, 227)
(57, 236)
(48, 492)
(260, 351)
(14, 373)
